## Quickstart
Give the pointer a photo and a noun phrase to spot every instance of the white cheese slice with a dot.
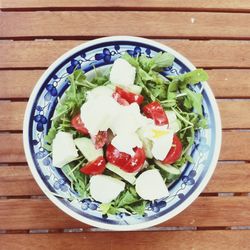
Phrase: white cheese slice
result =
(162, 139)
(151, 186)
(105, 188)
(162, 145)
(171, 115)
(128, 119)
(126, 142)
(173, 122)
(99, 92)
(63, 149)
(122, 73)
(98, 113)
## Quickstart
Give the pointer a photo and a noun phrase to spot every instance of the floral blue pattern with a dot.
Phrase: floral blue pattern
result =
(43, 108)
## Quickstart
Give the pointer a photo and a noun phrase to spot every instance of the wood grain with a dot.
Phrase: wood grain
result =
(201, 5)
(204, 212)
(11, 149)
(212, 54)
(19, 83)
(233, 114)
(223, 240)
(139, 23)
(11, 115)
(225, 179)
(238, 150)
(230, 177)
(230, 83)
(17, 180)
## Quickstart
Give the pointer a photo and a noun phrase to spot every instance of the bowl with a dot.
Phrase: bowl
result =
(100, 53)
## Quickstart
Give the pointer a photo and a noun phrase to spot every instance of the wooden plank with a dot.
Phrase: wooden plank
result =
(140, 23)
(233, 114)
(19, 83)
(204, 212)
(235, 145)
(224, 81)
(212, 5)
(11, 115)
(13, 150)
(199, 240)
(201, 5)
(212, 54)
(17, 180)
(225, 179)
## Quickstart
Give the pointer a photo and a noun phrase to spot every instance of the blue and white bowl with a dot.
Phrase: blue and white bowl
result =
(43, 100)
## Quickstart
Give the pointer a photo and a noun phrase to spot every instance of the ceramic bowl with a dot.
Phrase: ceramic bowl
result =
(100, 53)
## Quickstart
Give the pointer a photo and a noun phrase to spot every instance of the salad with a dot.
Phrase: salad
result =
(122, 137)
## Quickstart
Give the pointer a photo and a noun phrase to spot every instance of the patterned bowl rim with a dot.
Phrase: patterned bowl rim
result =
(145, 224)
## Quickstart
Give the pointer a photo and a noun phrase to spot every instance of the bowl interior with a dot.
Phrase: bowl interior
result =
(100, 54)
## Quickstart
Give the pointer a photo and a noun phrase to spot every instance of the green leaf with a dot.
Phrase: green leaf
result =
(203, 123)
(51, 135)
(189, 158)
(127, 198)
(193, 77)
(47, 147)
(144, 75)
(100, 80)
(104, 207)
(195, 99)
(131, 60)
(146, 63)
(137, 208)
(77, 75)
(162, 60)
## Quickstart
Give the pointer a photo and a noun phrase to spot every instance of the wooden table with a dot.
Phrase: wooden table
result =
(212, 34)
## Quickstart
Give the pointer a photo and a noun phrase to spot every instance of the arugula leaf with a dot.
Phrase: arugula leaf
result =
(157, 63)
(193, 77)
(79, 181)
(106, 208)
(202, 123)
(100, 80)
(195, 99)
(189, 158)
(137, 207)
(131, 60)
(162, 60)
(127, 198)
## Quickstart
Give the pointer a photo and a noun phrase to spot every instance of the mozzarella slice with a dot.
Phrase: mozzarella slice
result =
(63, 149)
(173, 123)
(162, 145)
(171, 115)
(151, 186)
(99, 92)
(128, 119)
(122, 73)
(104, 188)
(98, 113)
(126, 142)
(175, 126)
(162, 139)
